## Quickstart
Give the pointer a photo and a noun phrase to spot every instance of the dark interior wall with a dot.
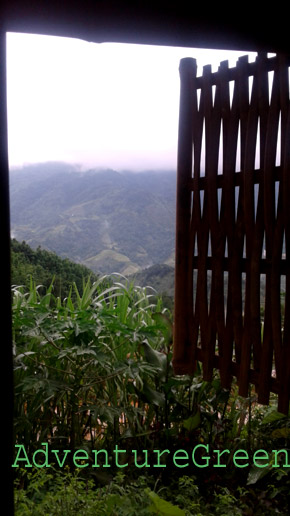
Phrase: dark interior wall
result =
(179, 23)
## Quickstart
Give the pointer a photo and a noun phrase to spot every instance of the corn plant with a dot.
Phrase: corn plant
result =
(80, 365)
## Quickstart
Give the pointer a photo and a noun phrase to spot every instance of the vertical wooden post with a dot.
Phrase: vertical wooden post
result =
(5, 300)
(183, 362)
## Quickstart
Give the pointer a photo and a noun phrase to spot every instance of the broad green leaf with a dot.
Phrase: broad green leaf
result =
(155, 397)
(155, 358)
(192, 422)
(272, 415)
(281, 432)
(163, 507)
(151, 396)
(165, 324)
(256, 474)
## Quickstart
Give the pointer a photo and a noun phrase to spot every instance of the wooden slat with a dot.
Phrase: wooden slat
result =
(202, 233)
(212, 137)
(196, 216)
(250, 115)
(284, 393)
(265, 265)
(227, 214)
(222, 179)
(269, 219)
(256, 265)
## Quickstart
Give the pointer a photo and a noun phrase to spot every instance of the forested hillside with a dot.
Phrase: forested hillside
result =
(43, 266)
(109, 221)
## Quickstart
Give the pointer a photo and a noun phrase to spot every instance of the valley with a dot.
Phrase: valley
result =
(106, 220)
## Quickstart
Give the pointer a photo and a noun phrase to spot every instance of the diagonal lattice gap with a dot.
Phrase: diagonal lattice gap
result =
(226, 248)
(262, 299)
(283, 283)
(201, 196)
(244, 278)
(191, 201)
(213, 92)
(219, 200)
(270, 82)
(209, 283)
(282, 298)
(257, 154)
(220, 158)
(277, 188)
(284, 247)
(264, 247)
(251, 81)
(194, 288)
(202, 159)
(195, 253)
(226, 291)
(278, 147)
(209, 244)
(232, 87)
(198, 94)
(256, 197)
(238, 153)
(237, 193)
(244, 247)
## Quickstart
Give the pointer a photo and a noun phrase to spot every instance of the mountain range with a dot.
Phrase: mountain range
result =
(109, 221)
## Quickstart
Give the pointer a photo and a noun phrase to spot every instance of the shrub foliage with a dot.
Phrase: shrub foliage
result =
(94, 370)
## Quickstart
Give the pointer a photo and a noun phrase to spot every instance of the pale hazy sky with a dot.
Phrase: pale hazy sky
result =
(103, 105)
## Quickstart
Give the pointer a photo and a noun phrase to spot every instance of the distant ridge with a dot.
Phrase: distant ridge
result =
(109, 221)
(159, 276)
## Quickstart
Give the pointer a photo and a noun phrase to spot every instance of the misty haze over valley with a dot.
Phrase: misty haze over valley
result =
(109, 221)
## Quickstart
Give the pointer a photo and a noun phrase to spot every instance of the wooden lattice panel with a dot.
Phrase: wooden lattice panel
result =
(232, 282)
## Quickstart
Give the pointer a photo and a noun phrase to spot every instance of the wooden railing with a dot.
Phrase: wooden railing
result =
(232, 281)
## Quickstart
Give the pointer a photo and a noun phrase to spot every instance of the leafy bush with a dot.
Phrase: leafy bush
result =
(94, 371)
(79, 365)
(69, 494)
(42, 265)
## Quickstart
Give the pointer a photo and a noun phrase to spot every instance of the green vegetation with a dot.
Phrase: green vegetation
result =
(162, 277)
(42, 266)
(94, 371)
(93, 365)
